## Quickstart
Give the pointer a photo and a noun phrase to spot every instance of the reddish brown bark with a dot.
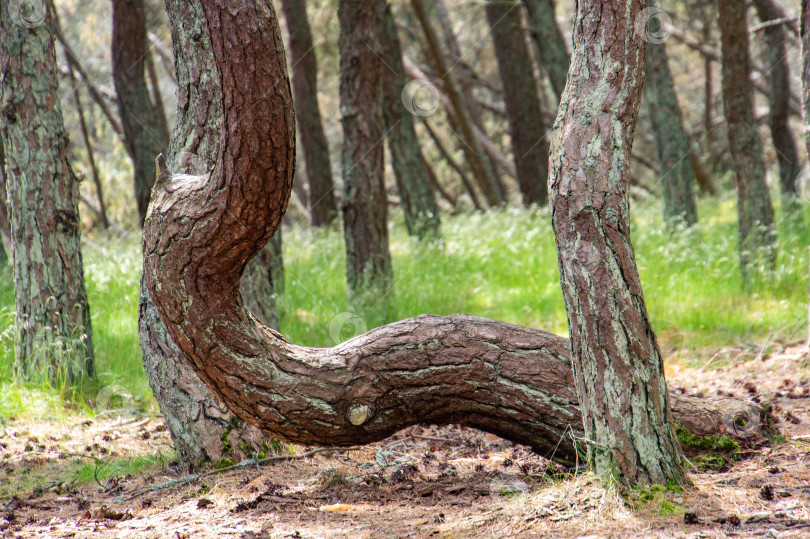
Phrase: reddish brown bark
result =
(200, 233)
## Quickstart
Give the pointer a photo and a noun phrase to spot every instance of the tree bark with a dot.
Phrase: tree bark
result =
(778, 71)
(805, 37)
(202, 427)
(549, 41)
(757, 235)
(5, 228)
(526, 125)
(263, 281)
(322, 202)
(53, 335)
(140, 118)
(670, 138)
(618, 368)
(461, 111)
(365, 203)
(512, 381)
(413, 183)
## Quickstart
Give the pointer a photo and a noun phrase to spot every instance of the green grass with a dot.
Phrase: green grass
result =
(500, 264)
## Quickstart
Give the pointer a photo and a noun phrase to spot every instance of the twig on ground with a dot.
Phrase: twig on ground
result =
(245, 463)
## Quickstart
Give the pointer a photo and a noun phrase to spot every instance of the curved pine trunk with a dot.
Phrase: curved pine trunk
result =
(144, 133)
(512, 381)
(757, 234)
(53, 333)
(526, 125)
(618, 368)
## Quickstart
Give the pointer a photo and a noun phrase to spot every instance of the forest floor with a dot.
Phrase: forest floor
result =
(77, 477)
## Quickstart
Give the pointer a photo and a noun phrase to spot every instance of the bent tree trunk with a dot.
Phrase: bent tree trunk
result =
(618, 367)
(53, 336)
(202, 427)
(143, 131)
(757, 235)
(512, 381)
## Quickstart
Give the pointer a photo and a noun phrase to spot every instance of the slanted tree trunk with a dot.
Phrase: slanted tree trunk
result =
(778, 71)
(462, 111)
(549, 40)
(140, 117)
(512, 381)
(53, 336)
(526, 125)
(322, 202)
(671, 141)
(618, 368)
(365, 203)
(757, 235)
(413, 183)
(202, 427)
(5, 229)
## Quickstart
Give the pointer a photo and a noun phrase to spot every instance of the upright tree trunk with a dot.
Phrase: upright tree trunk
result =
(463, 111)
(757, 235)
(805, 37)
(322, 202)
(53, 332)
(202, 427)
(778, 71)
(143, 133)
(365, 203)
(549, 40)
(671, 141)
(618, 369)
(415, 192)
(526, 125)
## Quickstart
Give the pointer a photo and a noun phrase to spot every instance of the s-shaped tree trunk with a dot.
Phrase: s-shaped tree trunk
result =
(202, 230)
(618, 367)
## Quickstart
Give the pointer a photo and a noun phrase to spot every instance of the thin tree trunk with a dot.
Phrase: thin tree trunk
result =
(549, 41)
(5, 228)
(413, 182)
(757, 235)
(618, 369)
(263, 281)
(157, 98)
(322, 201)
(670, 138)
(526, 125)
(805, 37)
(472, 147)
(143, 134)
(512, 381)
(53, 332)
(102, 209)
(365, 205)
(452, 162)
(778, 71)
(202, 427)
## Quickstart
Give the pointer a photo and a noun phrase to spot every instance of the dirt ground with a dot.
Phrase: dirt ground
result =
(424, 482)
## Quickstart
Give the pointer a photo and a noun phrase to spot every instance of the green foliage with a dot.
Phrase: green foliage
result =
(722, 443)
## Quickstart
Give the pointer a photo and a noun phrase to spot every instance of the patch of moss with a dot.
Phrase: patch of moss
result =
(722, 444)
(223, 463)
(669, 509)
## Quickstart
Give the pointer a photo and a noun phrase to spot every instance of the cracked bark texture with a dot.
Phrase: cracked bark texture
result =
(202, 427)
(322, 201)
(757, 233)
(201, 231)
(144, 133)
(53, 331)
(5, 227)
(778, 73)
(549, 40)
(365, 202)
(671, 142)
(618, 368)
(410, 169)
(526, 125)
